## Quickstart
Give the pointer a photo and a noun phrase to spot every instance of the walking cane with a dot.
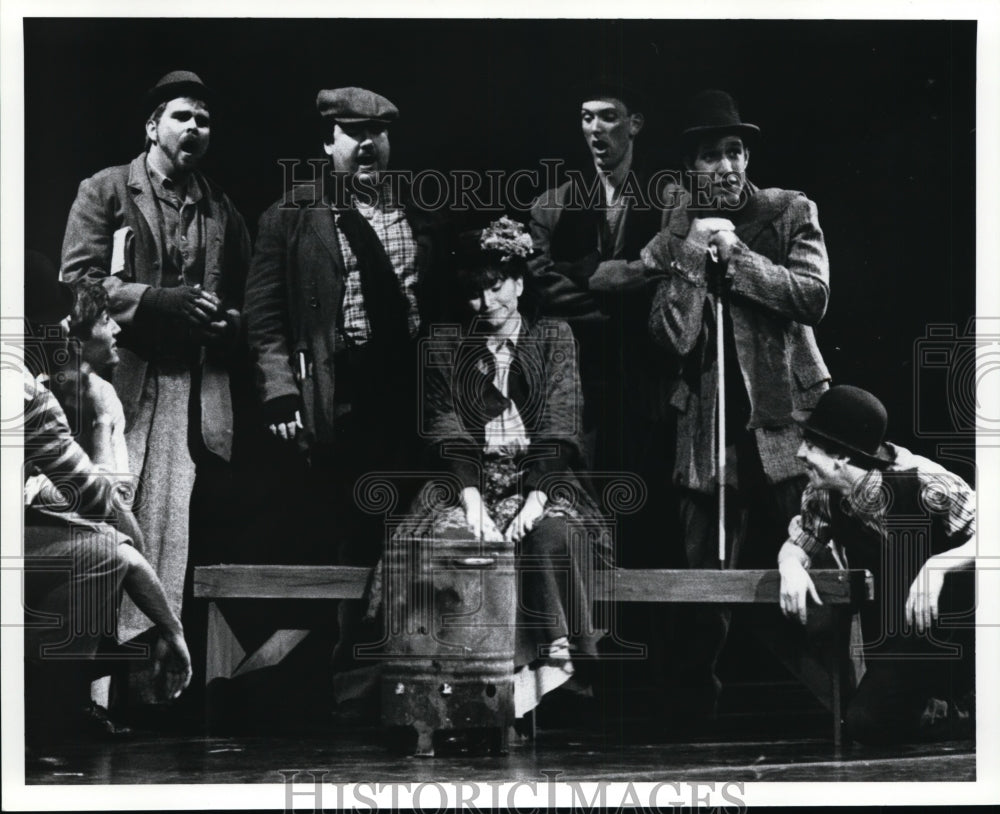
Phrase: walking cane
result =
(721, 411)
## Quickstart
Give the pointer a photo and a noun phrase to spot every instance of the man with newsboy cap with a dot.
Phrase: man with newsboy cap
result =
(762, 252)
(912, 523)
(334, 303)
(80, 556)
(172, 251)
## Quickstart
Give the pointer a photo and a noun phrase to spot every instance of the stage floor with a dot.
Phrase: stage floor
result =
(359, 755)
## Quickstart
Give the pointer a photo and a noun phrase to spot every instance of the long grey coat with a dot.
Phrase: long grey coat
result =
(122, 196)
(779, 286)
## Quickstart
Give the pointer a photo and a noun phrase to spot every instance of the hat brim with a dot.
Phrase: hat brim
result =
(749, 132)
(883, 455)
(179, 90)
(355, 119)
(633, 97)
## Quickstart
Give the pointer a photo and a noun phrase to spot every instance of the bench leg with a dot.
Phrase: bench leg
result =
(223, 651)
(825, 667)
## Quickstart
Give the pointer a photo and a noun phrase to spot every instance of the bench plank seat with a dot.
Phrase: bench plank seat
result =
(844, 590)
(615, 585)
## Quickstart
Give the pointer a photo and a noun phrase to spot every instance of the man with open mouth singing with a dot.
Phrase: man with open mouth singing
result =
(172, 251)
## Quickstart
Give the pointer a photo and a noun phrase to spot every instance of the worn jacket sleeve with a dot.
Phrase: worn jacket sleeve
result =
(675, 318)
(265, 308)
(565, 285)
(561, 420)
(86, 252)
(799, 289)
(450, 446)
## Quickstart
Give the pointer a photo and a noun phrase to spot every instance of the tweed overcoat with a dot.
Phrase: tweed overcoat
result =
(778, 286)
(120, 197)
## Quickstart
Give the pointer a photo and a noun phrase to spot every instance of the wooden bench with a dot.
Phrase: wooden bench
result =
(841, 591)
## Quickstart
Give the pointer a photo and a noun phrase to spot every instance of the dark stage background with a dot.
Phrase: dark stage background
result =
(875, 121)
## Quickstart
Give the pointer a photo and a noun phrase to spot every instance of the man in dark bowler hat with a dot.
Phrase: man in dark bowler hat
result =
(913, 525)
(80, 555)
(172, 252)
(762, 252)
(585, 230)
(334, 303)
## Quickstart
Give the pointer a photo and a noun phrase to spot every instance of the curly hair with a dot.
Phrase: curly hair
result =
(91, 302)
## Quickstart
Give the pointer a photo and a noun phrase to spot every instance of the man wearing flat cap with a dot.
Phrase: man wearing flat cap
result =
(334, 303)
(762, 252)
(172, 252)
(585, 230)
(877, 506)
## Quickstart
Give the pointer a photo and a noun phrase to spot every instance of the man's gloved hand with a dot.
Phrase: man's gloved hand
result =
(187, 302)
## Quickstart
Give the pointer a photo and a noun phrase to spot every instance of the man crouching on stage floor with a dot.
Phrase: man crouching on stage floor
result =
(79, 556)
(912, 524)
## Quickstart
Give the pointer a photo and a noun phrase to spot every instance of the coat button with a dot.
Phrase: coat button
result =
(314, 302)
